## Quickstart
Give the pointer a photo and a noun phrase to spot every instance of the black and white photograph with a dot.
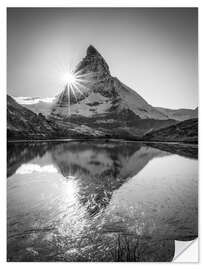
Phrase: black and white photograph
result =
(102, 133)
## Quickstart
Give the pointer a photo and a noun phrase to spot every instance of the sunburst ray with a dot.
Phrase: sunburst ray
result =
(77, 82)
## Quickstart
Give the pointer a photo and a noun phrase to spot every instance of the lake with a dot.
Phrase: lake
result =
(100, 200)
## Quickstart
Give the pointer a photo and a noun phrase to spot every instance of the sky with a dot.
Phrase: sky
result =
(152, 50)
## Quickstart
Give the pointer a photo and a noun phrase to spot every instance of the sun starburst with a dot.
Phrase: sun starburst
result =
(77, 84)
(70, 78)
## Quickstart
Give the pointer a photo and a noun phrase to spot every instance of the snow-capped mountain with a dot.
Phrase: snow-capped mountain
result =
(105, 103)
(103, 94)
(98, 101)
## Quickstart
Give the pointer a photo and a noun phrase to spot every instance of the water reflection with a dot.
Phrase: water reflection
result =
(99, 201)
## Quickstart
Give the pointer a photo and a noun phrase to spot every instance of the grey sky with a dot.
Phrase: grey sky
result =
(154, 51)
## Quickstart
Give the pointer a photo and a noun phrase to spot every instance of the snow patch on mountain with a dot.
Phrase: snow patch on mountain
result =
(37, 104)
(33, 100)
(95, 103)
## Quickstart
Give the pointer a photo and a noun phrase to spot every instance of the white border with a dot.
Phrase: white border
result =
(76, 3)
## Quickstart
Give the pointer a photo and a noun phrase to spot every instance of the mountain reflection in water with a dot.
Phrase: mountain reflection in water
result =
(100, 201)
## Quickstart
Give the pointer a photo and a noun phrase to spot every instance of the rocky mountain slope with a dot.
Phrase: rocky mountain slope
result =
(25, 124)
(185, 131)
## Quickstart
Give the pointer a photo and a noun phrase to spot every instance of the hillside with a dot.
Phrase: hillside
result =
(185, 131)
(24, 124)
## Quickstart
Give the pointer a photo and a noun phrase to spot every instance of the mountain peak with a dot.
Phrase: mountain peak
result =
(93, 62)
(92, 51)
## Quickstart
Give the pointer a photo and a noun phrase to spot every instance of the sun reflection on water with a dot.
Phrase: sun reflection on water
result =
(31, 168)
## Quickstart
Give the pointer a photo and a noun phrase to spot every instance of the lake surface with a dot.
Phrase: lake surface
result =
(100, 201)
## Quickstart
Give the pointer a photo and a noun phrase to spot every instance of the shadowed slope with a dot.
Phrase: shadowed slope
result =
(185, 131)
